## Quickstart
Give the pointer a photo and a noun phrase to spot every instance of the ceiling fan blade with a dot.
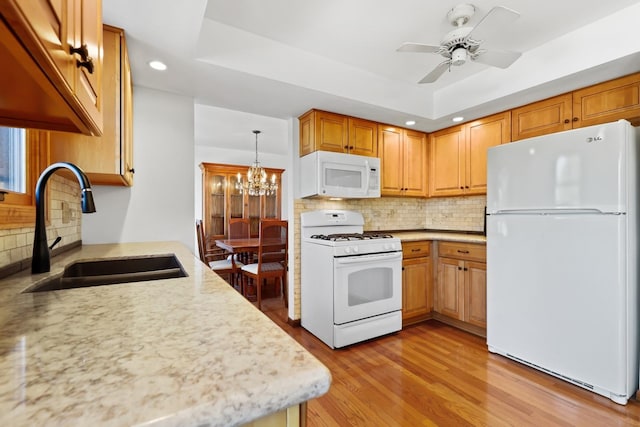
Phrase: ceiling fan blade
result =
(492, 22)
(436, 72)
(497, 58)
(418, 47)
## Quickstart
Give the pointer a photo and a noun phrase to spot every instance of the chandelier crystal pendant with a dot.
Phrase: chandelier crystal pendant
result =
(256, 183)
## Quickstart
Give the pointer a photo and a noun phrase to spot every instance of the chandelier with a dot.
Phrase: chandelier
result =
(256, 183)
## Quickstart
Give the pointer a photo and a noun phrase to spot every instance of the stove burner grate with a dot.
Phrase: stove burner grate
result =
(351, 236)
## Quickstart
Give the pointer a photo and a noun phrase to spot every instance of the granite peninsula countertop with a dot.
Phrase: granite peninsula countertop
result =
(189, 351)
(452, 236)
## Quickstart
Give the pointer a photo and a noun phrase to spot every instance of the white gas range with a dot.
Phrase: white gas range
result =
(351, 282)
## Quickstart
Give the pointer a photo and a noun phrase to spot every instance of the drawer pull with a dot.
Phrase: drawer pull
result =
(462, 252)
(416, 250)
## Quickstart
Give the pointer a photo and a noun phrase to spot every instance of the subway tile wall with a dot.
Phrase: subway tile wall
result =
(16, 244)
(395, 213)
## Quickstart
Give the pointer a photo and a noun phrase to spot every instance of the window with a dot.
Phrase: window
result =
(23, 154)
(13, 166)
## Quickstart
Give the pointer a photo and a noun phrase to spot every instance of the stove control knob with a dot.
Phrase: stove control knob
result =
(347, 250)
(355, 249)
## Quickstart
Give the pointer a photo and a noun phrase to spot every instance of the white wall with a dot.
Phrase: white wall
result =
(160, 205)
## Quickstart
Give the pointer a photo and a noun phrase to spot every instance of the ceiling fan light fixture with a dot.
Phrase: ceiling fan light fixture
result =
(458, 56)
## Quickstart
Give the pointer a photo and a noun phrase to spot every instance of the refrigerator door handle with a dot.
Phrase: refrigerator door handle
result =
(551, 212)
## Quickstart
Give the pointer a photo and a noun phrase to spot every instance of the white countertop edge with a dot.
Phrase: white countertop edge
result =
(409, 236)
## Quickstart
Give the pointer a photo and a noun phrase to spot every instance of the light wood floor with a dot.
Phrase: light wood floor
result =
(432, 374)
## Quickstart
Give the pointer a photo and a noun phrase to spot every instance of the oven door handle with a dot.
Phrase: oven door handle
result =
(358, 259)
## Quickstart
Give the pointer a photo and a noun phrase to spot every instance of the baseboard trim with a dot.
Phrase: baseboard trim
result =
(291, 322)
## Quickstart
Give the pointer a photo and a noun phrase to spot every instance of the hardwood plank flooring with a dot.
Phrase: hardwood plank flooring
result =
(432, 374)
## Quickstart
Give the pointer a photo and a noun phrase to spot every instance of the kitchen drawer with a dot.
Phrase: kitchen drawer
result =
(416, 249)
(470, 251)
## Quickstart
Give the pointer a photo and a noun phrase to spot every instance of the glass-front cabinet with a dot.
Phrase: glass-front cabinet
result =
(223, 198)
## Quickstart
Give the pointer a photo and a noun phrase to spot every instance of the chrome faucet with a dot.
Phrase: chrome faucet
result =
(40, 261)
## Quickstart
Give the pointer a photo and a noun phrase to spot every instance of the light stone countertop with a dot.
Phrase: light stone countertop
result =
(189, 351)
(408, 236)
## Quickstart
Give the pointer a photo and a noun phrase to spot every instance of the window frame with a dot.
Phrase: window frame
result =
(18, 210)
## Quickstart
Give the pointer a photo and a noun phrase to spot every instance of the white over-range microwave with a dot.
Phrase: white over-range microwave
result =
(329, 174)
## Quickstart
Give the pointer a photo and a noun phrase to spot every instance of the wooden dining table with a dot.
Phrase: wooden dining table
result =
(252, 244)
(235, 246)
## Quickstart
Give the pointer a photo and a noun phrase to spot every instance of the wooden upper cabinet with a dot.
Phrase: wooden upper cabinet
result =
(446, 161)
(42, 85)
(391, 155)
(483, 134)
(363, 137)
(403, 161)
(324, 131)
(415, 163)
(541, 118)
(458, 161)
(601, 103)
(607, 102)
(106, 159)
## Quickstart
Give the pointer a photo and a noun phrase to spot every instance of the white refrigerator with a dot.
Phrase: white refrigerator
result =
(562, 280)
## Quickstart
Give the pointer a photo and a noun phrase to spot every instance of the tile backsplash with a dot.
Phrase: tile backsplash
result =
(398, 213)
(16, 244)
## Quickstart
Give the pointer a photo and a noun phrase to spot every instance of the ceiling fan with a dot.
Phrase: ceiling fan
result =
(463, 43)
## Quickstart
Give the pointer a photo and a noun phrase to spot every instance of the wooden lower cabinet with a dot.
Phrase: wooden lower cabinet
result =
(475, 291)
(461, 286)
(417, 283)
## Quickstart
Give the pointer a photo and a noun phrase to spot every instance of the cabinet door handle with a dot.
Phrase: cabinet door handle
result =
(575, 119)
(462, 252)
(82, 51)
(88, 64)
(132, 170)
(461, 187)
(459, 268)
(566, 121)
(466, 186)
(466, 269)
(351, 147)
(346, 147)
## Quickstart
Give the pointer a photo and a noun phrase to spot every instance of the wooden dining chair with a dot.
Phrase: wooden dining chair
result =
(216, 258)
(272, 259)
(240, 228)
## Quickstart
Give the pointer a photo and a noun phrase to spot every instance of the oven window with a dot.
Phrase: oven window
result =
(370, 285)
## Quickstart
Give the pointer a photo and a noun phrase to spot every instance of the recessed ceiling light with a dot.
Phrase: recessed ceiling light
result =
(410, 122)
(458, 119)
(158, 65)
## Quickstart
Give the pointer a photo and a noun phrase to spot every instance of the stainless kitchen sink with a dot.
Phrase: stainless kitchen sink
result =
(108, 271)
